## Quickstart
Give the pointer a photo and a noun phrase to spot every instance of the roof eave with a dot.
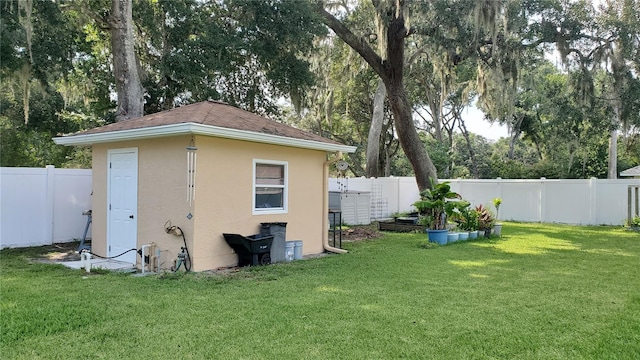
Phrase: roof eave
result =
(198, 129)
(634, 171)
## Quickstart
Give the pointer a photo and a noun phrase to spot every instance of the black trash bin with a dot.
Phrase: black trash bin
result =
(279, 232)
(252, 250)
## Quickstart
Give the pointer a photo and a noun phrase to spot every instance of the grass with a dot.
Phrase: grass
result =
(540, 292)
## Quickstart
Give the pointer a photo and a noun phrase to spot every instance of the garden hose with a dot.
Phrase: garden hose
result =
(111, 257)
(187, 260)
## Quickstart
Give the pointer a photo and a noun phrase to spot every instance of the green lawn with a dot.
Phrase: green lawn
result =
(540, 292)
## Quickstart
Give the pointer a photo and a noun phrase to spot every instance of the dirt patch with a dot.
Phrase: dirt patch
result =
(58, 252)
(357, 233)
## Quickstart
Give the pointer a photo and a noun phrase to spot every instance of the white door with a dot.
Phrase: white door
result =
(122, 203)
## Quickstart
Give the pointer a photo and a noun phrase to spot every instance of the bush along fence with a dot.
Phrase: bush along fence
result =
(571, 201)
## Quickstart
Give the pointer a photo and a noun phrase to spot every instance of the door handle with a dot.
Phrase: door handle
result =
(130, 216)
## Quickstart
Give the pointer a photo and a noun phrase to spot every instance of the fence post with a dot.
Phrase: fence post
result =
(630, 197)
(593, 210)
(49, 197)
(397, 195)
(499, 180)
(543, 194)
(637, 201)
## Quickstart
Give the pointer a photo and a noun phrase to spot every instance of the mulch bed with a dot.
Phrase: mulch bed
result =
(357, 233)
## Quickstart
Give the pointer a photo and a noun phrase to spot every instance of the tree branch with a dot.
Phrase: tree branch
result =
(83, 9)
(414, 56)
(356, 43)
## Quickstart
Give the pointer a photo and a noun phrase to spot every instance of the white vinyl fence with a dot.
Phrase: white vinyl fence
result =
(45, 206)
(587, 202)
(42, 206)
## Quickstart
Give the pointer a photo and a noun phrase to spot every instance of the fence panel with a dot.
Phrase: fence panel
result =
(24, 210)
(72, 196)
(611, 201)
(477, 192)
(566, 201)
(408, 193)
(520, 200)
(592, 202)
(42, 206)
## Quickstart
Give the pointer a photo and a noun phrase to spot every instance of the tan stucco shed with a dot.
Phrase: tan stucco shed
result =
(208, 168)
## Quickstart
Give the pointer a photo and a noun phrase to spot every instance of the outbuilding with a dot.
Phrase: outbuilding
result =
(208, 168)
(633, 172)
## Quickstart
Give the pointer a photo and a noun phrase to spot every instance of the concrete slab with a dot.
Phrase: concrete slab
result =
(105, 264)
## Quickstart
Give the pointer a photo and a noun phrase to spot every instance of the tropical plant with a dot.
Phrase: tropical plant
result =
(635, 221)
(396, 215)
(496, 204)
(437, 204)
(469, 219)
(486, 220)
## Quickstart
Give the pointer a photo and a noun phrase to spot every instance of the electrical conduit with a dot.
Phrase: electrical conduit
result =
(325, 206)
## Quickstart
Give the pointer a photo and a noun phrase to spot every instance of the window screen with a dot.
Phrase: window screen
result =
(270, 186)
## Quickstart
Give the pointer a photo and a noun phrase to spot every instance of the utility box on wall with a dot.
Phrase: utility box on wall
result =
(355, 207)
(334, 200)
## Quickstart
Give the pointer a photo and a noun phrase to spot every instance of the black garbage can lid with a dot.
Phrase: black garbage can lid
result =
(283, 224)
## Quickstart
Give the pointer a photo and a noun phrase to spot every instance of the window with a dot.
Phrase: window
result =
(269, 187)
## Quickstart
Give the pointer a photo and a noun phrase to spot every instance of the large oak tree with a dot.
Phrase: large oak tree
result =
(389, 65)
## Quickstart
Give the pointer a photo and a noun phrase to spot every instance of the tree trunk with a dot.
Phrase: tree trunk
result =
(515, 134)
(436, 114)
(612, 172)
(409, 140)
(472, 153)
(128, 86)
(413, 147)
(572, 148)
(373, 142)
(387, 163)
(391, 72)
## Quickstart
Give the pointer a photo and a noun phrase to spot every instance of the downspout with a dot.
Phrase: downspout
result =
(325, 206)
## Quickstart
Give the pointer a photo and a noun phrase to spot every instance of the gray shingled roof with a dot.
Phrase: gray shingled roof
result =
(207, 118)
(211, 113)
(634, 171)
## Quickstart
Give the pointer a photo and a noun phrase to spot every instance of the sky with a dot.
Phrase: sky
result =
(475, 122)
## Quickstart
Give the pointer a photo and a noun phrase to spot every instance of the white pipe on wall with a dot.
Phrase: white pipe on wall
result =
(85, 256)
(325, 206)
(142, 264)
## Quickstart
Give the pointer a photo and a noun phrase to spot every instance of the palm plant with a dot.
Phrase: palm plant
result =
(437, 204)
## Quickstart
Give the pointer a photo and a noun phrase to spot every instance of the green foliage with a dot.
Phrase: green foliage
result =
(253, 54)
(508, 169)
(439, 154)
(399, 215)
(31, 144)
(486, 220)
(437, 204)
(469, 219)
(496, 203)
(246, 53)
(635, 221)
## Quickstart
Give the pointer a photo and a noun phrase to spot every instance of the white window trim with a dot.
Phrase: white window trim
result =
(285, 193)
